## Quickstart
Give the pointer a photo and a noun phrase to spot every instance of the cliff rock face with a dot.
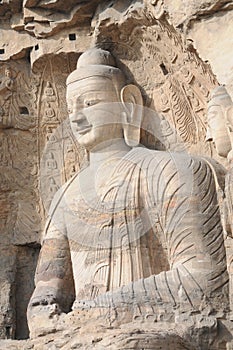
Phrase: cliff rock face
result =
(177, 53)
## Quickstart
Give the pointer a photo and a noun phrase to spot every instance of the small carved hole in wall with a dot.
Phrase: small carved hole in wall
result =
(164, 69)
(36, 47)
(2, 51)
(72, 36)
(23, 110)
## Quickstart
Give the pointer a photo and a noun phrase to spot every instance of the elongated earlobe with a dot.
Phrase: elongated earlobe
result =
(131, 99)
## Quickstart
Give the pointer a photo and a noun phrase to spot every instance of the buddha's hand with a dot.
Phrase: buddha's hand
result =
(48, 299)
(43, 313)
(46, 294)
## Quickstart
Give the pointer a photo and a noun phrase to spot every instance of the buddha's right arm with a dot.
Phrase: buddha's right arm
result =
(54, 290)
(54, 278)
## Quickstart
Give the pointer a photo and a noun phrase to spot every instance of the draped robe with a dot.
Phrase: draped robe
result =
(152, 234)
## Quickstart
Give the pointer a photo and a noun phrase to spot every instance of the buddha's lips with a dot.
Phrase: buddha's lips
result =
(84, 129)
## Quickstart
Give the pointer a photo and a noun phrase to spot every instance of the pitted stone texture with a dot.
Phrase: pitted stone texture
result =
(183, 12)
(131, 336)
(218, 33)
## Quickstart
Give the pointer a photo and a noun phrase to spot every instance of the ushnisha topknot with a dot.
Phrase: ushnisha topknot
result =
(97, 62)
(220, 97)
(96, 56)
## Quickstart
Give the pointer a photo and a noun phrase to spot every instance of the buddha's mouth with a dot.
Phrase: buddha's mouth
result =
(84, 129)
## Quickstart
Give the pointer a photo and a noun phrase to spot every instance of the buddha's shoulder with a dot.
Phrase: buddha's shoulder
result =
(151, 158)
(67, 190)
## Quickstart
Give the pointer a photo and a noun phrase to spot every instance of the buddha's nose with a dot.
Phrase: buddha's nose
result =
(77, 117)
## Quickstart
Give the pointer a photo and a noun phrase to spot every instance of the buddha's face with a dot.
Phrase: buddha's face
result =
(217, 131)
(94, 111)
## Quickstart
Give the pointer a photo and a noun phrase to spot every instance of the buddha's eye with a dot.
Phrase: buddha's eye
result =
(88, 103)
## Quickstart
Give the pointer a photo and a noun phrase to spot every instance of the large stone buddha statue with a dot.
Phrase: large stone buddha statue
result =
(137, 230)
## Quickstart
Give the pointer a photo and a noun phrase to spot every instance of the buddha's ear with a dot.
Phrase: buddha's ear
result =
(229, 123)
(229, 117)
(131, 99)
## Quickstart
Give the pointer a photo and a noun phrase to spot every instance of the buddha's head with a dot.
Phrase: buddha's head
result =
(101, 106)
(217, 130)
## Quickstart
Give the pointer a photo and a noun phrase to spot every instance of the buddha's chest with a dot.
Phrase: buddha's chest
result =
(106, 216)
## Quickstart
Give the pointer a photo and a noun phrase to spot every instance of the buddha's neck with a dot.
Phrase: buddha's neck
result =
(104, 159)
